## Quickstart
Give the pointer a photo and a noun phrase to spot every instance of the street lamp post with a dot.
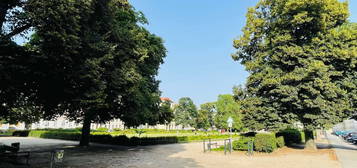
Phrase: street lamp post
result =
(230, 124)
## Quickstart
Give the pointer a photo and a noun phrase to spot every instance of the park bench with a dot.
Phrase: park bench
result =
(13, 152)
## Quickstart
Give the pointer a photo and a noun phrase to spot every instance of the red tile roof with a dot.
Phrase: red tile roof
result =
(165, 99)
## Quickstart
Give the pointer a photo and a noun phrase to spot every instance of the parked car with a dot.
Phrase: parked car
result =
(340, 133)
(344, 134)
(337, 133)
(354, 139)
(349, 136)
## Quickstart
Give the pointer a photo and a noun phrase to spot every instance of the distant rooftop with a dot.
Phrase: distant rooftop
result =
(165, 99)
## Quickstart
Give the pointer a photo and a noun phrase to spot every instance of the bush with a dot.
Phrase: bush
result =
(102, 129)
(74, 136)
(22, 133)
(6, 132)
(265, 142)
(291, 136)
(242, 143)
(302, 134)
(280, 142)
(112, 138)
(249, 134)
(220, 148)
(117, 129)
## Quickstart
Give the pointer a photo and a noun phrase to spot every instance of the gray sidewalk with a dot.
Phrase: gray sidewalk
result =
(346, 153)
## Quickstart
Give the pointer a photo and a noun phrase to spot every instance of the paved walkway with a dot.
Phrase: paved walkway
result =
(346, 153)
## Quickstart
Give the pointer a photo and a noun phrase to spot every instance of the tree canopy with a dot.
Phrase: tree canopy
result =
(91, 61)
(206, 115)
(166, 112)
(227, 107)
(186, 113)
(301, 56)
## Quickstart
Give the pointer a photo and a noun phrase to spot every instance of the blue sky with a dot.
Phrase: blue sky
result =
(198, 35)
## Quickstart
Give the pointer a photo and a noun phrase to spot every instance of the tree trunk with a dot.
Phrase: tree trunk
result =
(310, 140)
(28, 126)
(85, 138)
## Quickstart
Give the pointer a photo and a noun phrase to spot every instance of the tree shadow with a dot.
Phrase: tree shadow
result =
(323, 146)
(336, 146)
(103, 156)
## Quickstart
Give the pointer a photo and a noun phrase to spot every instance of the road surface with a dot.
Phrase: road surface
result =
(346, 152)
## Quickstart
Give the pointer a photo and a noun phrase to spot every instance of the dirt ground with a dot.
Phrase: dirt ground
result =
(188, 155)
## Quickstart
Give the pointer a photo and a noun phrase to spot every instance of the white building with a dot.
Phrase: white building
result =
(63, 123)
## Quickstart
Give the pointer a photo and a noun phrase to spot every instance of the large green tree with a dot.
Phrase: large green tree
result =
(186, 113)
(301, 57)
(166, 112)
(17, 86)
(227, 107)
(92, 60)
(206, 115)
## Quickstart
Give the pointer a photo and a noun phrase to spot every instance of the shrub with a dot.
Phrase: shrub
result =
(280, 142)
(302, 135)
(249, 134)
(291, 136)
(103, 139)
(6, 132)
(74, 136)
(242, 143)
(265, 142)
(102, 129)
(220, 148)
(117, 129)
(22, 133)
(112, 138)
(121, 140)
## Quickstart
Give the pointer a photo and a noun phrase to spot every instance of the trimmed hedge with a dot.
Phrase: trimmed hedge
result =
(107, 138)
(265, 142)
(242, 143)
(6, 132)
(280, 142)
(22, 133)
(74, 136)
(291, 136)
(249, 134)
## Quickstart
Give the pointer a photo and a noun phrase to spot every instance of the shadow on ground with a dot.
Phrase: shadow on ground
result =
(336, 146)
(106, 156)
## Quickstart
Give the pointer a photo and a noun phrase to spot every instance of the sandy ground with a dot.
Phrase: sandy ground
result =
(188, 155)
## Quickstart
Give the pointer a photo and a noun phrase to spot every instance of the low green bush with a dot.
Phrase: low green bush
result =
(102, 129)
(117, 139)
(117, 129)
(6, 132)
(249, 134)
(302, 135)
(220, 148)
(22, 133)
(242, 143)
(291, 136)
(74, 136)
(280, 142)
(265, 142)
(203, 137)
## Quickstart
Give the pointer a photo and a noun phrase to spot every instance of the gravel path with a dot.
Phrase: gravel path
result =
(346, 153)
(189, 155)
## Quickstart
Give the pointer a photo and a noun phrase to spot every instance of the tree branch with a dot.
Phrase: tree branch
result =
(17, 31)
